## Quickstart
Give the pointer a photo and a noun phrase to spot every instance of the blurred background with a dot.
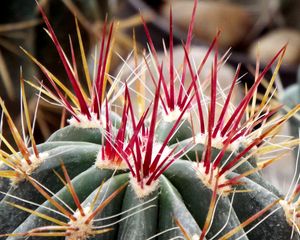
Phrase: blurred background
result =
(247, 27)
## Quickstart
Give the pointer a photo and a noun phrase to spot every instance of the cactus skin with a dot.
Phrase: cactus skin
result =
(180, 193)
(74, 134)
(70, 155)
(71, 133)
(171, 207)
(197, 198)
(85, 183)
(180, 196)
(275, 226)
(183, 132)
(146, 220)
(198, 149)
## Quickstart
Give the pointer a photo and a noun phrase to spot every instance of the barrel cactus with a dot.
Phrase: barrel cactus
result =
(179, 170)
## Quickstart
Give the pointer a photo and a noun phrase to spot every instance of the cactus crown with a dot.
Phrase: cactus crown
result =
(148, 187)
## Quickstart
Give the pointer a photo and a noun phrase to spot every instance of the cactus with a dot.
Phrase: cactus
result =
(154, 176)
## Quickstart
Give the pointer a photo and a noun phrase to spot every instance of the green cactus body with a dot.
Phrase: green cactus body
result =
(196, 151)
(86, 134)
(84, 184)
(197, 197)
(137, 212)
(146, 219)
(260, 198)
(71, 133)
(71, 156)
(180, 194)
(171, 208)
(125, 180)
(183, 132)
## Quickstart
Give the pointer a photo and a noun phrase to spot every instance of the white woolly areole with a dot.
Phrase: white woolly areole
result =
(210, 182)
(84, 122)
(109, 163)
(290, 210)
(195, 237)
(83, 230)
(173, 115)
(217, 142)
(29, 169)
(146, 190)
